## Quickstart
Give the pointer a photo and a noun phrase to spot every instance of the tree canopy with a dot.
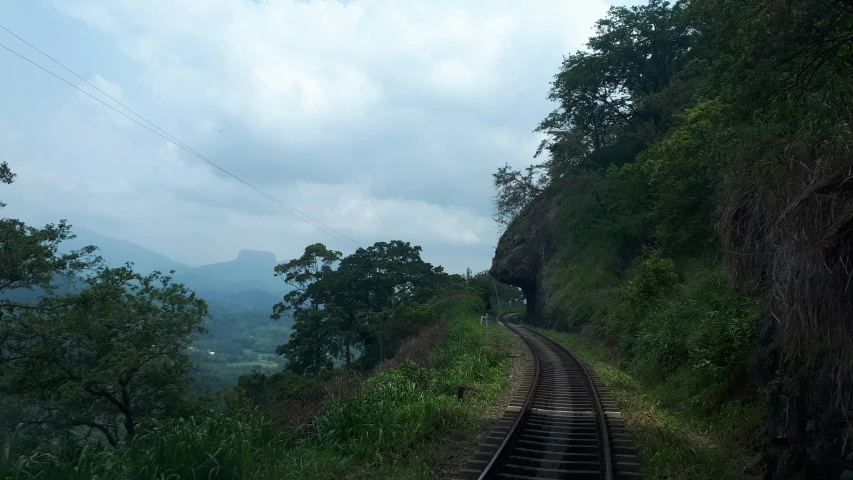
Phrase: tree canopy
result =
(105, 356)
(30, 258)
(499, 293)
(343, 305)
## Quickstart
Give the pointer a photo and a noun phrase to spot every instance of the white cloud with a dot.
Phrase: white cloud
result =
(380, 118)
(95, 15)
(353, 208)
(108, 87)
(290, 61)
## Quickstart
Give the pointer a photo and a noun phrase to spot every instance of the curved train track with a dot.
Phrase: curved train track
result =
(562, 423)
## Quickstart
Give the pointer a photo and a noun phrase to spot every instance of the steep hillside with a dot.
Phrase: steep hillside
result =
(694, 215)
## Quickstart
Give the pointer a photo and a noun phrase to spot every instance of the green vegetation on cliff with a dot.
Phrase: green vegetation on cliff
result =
(695, 192)
(672, 440)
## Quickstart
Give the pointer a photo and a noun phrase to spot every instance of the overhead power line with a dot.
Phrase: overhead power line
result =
(153, 128)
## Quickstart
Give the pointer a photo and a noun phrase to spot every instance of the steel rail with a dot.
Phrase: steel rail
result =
(604, 438)
(530, 394)
(602, 419)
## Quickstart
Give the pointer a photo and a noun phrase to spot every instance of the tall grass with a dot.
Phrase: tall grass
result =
(673, 343)
(670, 323)
(376, 434)
(673, 438)
(407, 405)
(209, 448)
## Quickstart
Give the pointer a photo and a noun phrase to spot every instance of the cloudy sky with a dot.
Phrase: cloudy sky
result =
(382, 119)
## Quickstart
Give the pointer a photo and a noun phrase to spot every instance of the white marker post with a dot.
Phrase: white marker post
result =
(487, 328)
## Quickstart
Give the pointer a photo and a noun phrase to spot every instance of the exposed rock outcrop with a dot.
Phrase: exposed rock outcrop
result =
(809, 407)
(804, 433)
(256, 256)
(524, 249)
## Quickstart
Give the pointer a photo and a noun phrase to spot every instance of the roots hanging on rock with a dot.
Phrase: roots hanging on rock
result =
(787, 225)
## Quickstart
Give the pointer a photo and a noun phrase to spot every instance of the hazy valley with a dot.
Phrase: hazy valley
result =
(240, 293)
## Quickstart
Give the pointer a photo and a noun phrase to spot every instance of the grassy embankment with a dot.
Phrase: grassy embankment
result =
(677, 340)
(406, 420)
(676, 438)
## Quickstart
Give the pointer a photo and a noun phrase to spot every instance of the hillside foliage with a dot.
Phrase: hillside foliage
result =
(98, 350)
(238, 341)
(700, 157)
(359, 303)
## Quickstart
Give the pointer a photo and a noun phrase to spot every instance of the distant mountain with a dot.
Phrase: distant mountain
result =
(245, 282)
(63, 286)
(116, 252)
(251, 270)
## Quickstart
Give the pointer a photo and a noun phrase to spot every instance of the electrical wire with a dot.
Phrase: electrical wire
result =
(153, 128)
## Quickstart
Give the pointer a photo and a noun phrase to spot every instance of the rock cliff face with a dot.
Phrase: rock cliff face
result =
(803, 434)
(523, 251)
(256, 256)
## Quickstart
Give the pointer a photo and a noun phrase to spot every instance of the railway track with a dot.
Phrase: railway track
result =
(562, 423)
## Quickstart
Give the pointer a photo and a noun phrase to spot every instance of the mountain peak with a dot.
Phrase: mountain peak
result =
(256, 256)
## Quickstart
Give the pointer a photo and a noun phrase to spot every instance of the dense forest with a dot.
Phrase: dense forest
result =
(694, 208)
(237, 342)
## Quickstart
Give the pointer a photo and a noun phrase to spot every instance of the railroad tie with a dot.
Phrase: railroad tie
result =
(561, 423)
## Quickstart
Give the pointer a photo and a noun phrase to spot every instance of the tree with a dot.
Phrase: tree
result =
(486, 285)
(338, 310)
(29, 258)
(301, 273)
(341, 294)
(772, 50)
(612, 98)
(378, 279)
(310, 344)
(6, 176)
(104, 358)
(389, 273)
(514, 190)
